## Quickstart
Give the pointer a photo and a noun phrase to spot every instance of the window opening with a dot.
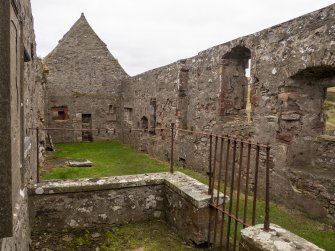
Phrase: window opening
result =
(144, 122)
(329, 110)
(128, 114)
(111, 109)
(235, 71)
(60, 113)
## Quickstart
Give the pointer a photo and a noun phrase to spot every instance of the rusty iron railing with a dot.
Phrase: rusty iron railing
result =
(229, 161)
(37, 156)
(233, 171)
(172, 143)
(233, 175)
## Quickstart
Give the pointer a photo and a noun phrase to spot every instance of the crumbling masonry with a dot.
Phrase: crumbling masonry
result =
(291, 66)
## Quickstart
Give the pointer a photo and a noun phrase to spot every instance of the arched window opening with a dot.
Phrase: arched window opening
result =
(307, 107)
(235, 72)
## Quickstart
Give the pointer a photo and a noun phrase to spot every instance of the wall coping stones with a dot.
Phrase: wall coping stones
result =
(326, 138)
(277, 239)
(189, 188)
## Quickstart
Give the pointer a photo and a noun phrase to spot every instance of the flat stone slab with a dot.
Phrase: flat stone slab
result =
(79, 163)
(189, 188)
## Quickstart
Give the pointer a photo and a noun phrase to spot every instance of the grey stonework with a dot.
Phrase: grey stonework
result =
(84, 78)
(291, 65)
(22, 107)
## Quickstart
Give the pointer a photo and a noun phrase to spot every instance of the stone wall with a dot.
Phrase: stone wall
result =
(84, 84)
(313, 174)
(291, 65)
(22, 107)
(59, 206)
(5, 126)
(104, 208)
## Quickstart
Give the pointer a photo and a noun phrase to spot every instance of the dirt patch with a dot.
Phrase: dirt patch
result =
(52, 162)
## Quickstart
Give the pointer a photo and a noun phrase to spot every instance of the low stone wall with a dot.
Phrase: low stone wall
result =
(277, 239)
(59, 206)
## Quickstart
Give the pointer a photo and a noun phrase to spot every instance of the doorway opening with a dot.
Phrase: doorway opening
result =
(86, 120)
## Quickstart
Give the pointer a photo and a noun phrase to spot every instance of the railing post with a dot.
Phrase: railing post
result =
(255, 185)
(210, 164)
(37, 156)
(172, 141)
(267, 191)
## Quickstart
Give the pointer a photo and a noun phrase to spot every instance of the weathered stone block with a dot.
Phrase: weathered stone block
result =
(79, 163)
(290, 116)
(256, 239)
(286, 96)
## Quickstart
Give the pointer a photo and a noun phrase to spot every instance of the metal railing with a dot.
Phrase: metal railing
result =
(230, 158)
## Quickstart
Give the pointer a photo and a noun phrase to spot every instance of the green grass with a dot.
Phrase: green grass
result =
(112, 158)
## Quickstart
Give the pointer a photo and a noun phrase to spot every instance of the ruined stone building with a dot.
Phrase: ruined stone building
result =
(292, 65)
(84, 84)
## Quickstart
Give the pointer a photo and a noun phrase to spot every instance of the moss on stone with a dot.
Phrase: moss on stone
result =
(143, 236)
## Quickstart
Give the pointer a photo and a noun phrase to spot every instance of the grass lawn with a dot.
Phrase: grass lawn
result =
(112, 158)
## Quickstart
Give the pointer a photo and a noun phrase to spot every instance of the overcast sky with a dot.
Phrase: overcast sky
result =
(146, 34)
